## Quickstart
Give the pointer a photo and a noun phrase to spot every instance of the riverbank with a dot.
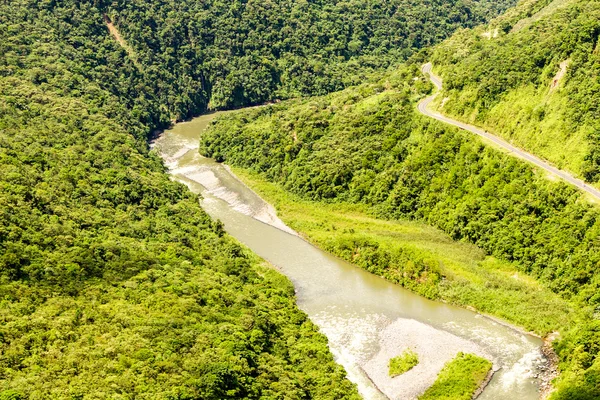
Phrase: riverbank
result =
(533, 366)
(405, 332)
(484, 384)
(550, 370)
(434, 349)
(468, 277)
(482, 284)
(349, 305)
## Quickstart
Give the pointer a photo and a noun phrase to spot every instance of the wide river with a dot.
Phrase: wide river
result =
(366, 318)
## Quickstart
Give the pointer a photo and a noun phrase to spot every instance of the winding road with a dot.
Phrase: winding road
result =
(538, 162)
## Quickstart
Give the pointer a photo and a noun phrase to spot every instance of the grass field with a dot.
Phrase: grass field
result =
(420, 258)
(459, 379)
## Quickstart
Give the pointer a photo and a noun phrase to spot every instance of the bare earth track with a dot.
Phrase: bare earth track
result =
(538, 162)
(117, 35)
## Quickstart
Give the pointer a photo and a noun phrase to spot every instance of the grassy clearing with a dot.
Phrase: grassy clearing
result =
(420, 258)
(459, 379)
(403, 363)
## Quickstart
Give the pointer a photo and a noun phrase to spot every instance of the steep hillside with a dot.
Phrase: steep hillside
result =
(176, 57)
(114, 282)
(368, 145)
(248, 52)
(531, 76)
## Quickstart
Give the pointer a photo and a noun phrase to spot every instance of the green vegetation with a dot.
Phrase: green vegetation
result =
(459, 379)
(368, 146)
(113, 280)
(177, 57)
(535, 83)
(420, 258)
(114, 283)
(235, 53)
(403, 363)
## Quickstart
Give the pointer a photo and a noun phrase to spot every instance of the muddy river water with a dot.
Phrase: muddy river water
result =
(366, 319)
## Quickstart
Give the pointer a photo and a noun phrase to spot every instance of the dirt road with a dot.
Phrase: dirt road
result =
(424, 109)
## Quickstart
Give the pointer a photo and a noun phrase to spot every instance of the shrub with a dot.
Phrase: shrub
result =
(403, 363)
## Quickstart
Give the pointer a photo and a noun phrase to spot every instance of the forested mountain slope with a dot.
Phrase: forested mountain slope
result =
(369, 145)
(113, 282)
(183, 55)
(531, 76)
(248, 52)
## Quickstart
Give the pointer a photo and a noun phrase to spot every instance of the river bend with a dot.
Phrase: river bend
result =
(366, 318)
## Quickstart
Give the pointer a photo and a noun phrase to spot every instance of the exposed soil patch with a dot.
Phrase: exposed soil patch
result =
(562, 71)
(117, 35)
(491, 34)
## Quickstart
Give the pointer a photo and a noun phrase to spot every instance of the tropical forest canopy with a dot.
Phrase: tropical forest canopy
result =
(114, 283)
(236, 53)
(178, 56)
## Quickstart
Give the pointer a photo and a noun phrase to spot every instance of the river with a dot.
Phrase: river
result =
(366, 318)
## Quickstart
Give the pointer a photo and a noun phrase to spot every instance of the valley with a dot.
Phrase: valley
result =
(265, 200)
(366, 319)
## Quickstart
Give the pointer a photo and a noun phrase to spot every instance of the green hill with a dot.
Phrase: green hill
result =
(531, 76)
(236, 53)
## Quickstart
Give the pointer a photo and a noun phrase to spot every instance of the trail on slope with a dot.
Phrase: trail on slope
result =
(117, 35)
(423, 108)
(562, 71)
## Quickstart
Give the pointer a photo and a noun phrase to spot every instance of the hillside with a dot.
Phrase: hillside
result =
(180, 56)
(114, 282)
(369, 146)
(236, 53)
(531, 76)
